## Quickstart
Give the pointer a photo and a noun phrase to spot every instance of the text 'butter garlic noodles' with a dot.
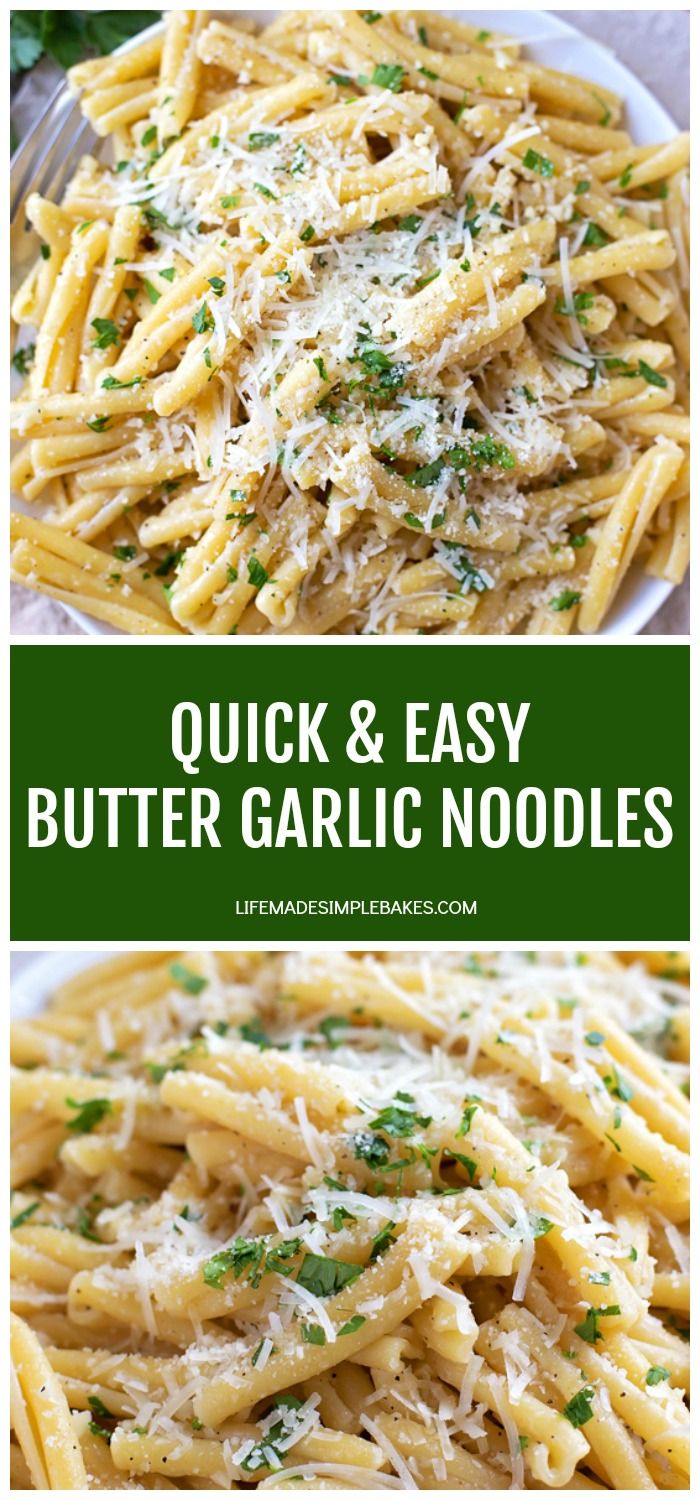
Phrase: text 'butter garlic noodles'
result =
(373, 325)
(391, 1221)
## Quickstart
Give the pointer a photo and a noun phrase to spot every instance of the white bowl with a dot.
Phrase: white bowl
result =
(554, 42)
(34, 977)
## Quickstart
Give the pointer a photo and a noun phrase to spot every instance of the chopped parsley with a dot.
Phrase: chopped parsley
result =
(312, 1334)
(254, 1357)
(259, 140)
(26, 1213)
(540, 1226)
(23, 359)
(169, 562)
(99, 1409)
(469, 1165)
(89, 1114)
(383, 1241)
(341, 1216)
(565, 600)
(652, 377)
(426, 280)
(158, 1071)
(389, 76)
(588, 1330)
(399, 1121)
(352, 1325)
(252, 1031)
(328, 1027)
(106, 333)
(426, 475)
(618, 1086)
(468, 1113)
(278, 1255)
(110, 383)
(264, 1455)
(323, 1276)
(536, 163)
(595, 236)
(581, 302)
(656, 1374)
(203, 320)
(191, 983)
(370, 1148)
(242, 1255)
(606, 115)
(257, 574)
(84, 1225)
(482, 451)
(578, 1410)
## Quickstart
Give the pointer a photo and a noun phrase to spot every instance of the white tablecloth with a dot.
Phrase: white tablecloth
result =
(652, 43)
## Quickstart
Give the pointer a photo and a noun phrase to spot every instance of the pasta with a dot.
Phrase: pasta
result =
(371, 326)
(353, 1221)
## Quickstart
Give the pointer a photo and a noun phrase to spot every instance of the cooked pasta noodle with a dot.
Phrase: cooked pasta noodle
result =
(380, 1221)
(361, 306)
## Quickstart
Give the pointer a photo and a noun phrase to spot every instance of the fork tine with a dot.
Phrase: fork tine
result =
(67, 137)
(30, 154)
(44, 165)
(63, 156)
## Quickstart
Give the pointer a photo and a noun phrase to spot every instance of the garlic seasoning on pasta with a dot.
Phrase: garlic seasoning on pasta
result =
(362, 323)
(377, 1221)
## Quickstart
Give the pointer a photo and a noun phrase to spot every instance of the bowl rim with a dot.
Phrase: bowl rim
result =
(641, 596)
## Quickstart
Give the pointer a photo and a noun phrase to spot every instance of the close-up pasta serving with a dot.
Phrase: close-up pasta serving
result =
(354, 322)
(353, 1221)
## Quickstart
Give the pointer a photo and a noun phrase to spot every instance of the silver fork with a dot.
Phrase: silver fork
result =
(47, 159)
(43, 164)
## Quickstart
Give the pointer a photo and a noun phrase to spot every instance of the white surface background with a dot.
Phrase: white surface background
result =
(653, 44)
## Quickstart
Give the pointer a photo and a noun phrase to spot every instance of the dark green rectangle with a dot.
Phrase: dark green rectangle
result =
(603, 716)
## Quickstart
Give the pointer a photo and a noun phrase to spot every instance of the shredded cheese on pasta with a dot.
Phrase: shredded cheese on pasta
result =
(381, 1221)
(368, 324)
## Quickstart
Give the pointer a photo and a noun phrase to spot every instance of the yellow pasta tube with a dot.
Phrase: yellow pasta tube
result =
(640, 496)
(40, 1415)
(392, 1279)
(180, 71)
